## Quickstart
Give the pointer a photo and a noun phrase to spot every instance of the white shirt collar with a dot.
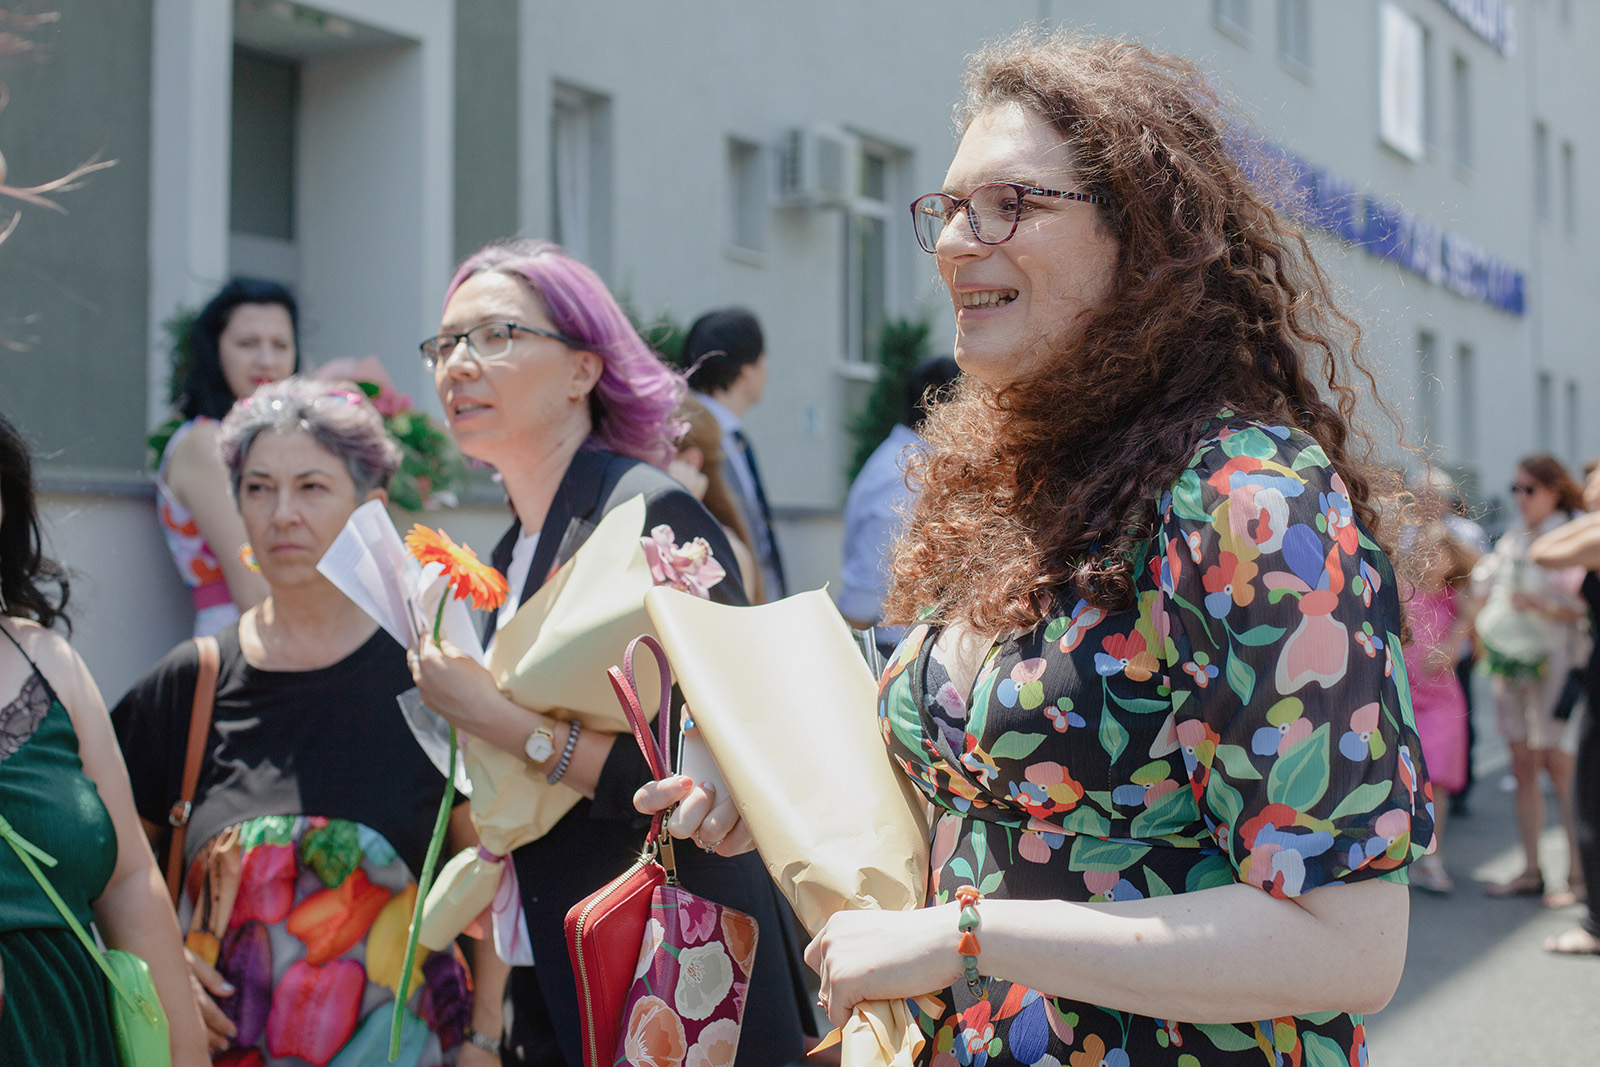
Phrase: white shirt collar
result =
(726, 419)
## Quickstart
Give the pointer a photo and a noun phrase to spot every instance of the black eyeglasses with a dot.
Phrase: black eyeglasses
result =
(1518, 489)
(993, 211)
(488, 341)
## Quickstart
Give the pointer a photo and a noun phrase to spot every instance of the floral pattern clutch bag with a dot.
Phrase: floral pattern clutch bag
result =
(686, 1004)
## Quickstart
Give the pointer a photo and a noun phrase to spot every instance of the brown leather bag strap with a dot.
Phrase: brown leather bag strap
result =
(205, 696)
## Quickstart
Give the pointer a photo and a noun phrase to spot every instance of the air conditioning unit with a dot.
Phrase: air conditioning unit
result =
(814, 167)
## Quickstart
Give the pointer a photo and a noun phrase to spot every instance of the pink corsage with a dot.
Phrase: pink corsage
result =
(691, 568)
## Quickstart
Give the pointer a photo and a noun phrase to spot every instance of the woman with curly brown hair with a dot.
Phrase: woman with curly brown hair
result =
(1152, 685)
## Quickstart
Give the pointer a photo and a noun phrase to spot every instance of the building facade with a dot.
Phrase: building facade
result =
(705, 153)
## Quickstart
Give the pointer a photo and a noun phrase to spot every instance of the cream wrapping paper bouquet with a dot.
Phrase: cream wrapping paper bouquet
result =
(551, 657)
(786, 705)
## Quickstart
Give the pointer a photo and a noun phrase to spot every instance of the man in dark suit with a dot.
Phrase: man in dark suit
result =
(727, 360)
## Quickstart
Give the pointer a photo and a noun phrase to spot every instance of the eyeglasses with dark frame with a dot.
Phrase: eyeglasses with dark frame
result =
(1519, 489)
(487, 341)
(993, 211)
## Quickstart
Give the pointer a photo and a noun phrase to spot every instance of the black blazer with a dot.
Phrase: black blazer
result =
(600, 838)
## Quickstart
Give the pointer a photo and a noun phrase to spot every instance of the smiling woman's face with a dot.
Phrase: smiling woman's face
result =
(1015, 302)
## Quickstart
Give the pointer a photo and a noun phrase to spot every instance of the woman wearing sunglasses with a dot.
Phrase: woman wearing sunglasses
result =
(1530, 630)
(1151, 685)
(542, 376)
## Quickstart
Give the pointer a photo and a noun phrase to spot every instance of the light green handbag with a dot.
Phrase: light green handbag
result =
(136, 1013)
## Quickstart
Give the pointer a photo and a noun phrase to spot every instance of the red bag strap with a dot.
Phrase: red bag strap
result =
(205, 696)
(622, 681)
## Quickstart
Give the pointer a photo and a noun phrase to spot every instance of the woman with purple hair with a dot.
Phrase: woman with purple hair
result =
(542, 376)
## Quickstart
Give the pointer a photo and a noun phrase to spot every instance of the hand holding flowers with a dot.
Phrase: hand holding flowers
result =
(486, 587)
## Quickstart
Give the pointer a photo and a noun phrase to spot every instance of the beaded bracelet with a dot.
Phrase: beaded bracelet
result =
(566, 753)
(968, 946)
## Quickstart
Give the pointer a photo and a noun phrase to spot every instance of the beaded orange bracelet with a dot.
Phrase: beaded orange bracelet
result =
(968, 946)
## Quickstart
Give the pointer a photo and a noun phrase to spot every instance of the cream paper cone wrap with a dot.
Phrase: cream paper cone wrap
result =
(551, 657)
(787, 707)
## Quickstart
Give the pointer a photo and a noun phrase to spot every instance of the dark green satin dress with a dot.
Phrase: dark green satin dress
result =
(56, 1009)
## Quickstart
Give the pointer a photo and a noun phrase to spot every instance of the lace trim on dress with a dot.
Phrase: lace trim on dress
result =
(20, 718)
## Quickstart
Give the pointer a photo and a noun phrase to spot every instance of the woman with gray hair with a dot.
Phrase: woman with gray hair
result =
(314, 804)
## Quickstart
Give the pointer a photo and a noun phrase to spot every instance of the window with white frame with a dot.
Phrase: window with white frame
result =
(1461, 110)
(1541, 172)
(1428, 390)
(1232, 17)
(1546, 413)
(1569, 190)
(1401, 82)
(1294, 34)
(874, 251)
(747, 196)
(1466, 405)
(1574, 421)
(580, 178)
(1430, 90)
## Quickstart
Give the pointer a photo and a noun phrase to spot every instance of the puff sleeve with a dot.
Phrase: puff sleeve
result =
(1289, 691)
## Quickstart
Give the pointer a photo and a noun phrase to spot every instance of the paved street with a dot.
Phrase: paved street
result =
(1478, 988)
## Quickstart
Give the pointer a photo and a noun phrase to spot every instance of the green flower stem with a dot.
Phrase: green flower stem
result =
(438, 622)
(425, 883)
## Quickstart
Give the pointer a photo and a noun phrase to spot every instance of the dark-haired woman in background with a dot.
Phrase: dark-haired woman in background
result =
(64, 789)
(1530, 628)
(245, 337)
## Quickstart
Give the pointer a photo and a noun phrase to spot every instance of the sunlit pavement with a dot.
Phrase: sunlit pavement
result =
(1478, 987)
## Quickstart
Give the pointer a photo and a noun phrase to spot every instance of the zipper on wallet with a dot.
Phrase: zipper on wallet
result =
(583, 963)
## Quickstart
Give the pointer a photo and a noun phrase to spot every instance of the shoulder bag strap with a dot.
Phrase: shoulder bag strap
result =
(205, 698)
(28, 852)
(622, 682)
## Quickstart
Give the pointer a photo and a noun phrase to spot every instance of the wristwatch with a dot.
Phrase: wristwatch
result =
(540, 745)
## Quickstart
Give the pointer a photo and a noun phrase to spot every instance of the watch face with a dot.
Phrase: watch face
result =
(540, 745)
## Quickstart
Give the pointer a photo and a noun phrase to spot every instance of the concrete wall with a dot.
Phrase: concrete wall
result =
(486, 123)
(72, 286)
(128, 605)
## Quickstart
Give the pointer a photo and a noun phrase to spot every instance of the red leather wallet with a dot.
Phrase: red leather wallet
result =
(603, 935)
(606, 928)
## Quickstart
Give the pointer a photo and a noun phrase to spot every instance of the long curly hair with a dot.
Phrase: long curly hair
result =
(1049, 485)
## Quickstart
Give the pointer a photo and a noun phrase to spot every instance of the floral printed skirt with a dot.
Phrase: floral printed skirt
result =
(307, 918)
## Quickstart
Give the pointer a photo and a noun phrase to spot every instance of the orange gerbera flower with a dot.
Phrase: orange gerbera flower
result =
(469, 576)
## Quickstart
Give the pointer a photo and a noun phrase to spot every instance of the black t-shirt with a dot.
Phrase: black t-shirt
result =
(329, 742)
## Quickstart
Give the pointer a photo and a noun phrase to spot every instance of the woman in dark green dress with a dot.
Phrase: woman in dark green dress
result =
(64, 789)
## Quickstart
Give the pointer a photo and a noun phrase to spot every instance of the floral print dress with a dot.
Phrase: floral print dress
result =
(1247, 720)
(307, 917)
